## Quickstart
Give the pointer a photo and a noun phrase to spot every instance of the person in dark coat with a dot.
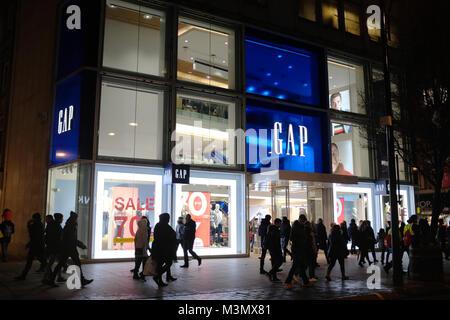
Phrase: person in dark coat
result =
(380, 239)
(273, 243)
(371, 241)
(35, 246)
(363, 243)
(352, 232)
(53, 242)
(164, 248)
(69, 246)
(321, 232)
(7, 229)
(302, 251)
(262, 232)
(188, 241)
(442, 237)
(336, 251)
(179, 229)
(285, 231)
(345, 236)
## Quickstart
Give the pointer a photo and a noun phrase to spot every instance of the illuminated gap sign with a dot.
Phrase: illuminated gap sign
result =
(72, 123)
(286, 139)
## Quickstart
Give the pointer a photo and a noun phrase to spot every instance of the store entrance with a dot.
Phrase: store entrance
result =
(288, 199)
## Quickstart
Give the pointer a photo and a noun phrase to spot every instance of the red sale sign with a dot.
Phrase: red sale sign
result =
(340, 210)
(198, 205)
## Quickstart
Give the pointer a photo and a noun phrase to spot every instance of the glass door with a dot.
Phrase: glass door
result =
(280, 202)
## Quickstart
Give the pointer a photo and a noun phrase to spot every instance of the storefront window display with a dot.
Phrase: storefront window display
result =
(123, 196)
(346, 86)
(349, 150)
(131, 122)
(201, 131)
(216, 205)
(403, 206)
(69, 189)
(206, 53)
(352, 203)
(134, 38)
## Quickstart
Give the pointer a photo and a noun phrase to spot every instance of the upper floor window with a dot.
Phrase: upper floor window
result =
(281, 72)
(351, 16)
(330, 15)
(134, 38)
(307, 9)
(346, 86)
(206, 53)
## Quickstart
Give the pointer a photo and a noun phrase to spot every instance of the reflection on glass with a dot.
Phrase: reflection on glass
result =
(351, 15)
(134, 38)
(330, 15)
(205, 53)
(202, 130)
(346, 86)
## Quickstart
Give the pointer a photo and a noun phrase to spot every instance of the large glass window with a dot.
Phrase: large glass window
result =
(352, 202)
(351, 15)
(123, 196)
(216, 205)
(346, 86)
(69, 189)
(349, 150)
(330, 16)
(134, 38)
(206, 53)
(201, 131)
(131, 122)
(307, 9)
(281, 72)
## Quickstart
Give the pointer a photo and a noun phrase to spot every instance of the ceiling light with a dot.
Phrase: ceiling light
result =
(208, 77)
(226, 43)
(223, 61)
(60, 154)
(112, 6)
(192, 58)
(133, 124)
(186, 41)
(147, 16)
(111, 134)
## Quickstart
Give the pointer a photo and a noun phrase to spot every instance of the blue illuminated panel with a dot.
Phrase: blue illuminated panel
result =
(281, 72)
(313, 139)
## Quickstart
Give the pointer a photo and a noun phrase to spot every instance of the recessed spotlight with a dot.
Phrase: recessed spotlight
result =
(192, 58)
(112, 6)
(226, 43)
(111, 134)
(60, 154)
(223, 61)
(208, 77)
(147, 16)
(186, 41)
(133, 124)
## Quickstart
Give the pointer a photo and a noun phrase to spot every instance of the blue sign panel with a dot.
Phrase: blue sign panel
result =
(288, 139)
(66, 121)
(78, 36)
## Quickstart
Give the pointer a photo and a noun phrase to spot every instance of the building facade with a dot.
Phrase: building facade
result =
(269, 104)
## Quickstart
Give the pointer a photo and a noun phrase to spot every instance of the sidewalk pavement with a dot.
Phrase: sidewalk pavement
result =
(218, 279)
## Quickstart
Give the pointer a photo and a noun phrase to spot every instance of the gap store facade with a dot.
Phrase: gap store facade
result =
(268, 125)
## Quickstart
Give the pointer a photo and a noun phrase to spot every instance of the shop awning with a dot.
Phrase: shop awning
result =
(278, 176)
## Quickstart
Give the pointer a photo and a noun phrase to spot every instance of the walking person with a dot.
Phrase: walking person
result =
(380, 240)
(321, 231)
(336, 251)
(300, 248)
(141, 245)
(312, 261)
(363, 243)
(35, 246)
(272, 242)
(188, 241)
(148, 251)
(53, 242)
(69, 246)
(163, 248)
(6, 230)
(262, 232)
(179, 229)
(441, 236)
(371, 241)
(285, 231)
(345, 236)
(352, 232)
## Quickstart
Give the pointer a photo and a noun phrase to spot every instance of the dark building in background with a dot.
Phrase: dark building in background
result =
(98, 87)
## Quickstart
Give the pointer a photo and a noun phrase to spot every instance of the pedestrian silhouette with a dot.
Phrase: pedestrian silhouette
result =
(262, 232)
(272, 242)
(141, 244)
(337, 250)
(6, 231)
(188, 241)
(53, 242)
(163, 249)
(70, 243)
(35, 246)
